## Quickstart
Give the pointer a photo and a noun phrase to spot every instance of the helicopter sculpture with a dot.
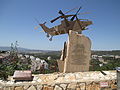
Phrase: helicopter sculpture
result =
(74, 24)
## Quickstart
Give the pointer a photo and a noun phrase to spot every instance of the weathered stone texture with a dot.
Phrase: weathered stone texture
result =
(26, 87)
(48, 88)
(72, 86)
(78, 53)
(48, 78)
(39, 87)
(65, 81)
(6, 88)
(82, 86)
(57, 87)
(61, 65)
(19, 88)
(64, 86)
(31, 88)
(1, 88)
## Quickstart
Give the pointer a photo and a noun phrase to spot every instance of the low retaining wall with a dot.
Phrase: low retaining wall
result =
(64, 81)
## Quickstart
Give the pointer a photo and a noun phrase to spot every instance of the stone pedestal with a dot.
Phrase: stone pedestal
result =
(78, 54)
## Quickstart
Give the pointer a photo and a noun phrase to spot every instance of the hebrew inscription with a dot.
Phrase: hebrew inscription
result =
(78, 54)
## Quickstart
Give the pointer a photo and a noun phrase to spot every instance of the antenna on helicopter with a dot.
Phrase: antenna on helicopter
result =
(71, 10)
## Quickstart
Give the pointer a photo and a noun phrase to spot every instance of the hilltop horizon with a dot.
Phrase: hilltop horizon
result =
(24, 48)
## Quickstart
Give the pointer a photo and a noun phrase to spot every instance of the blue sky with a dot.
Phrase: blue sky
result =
(17, 22)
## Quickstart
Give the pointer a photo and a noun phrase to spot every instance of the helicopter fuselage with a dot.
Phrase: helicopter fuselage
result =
(76, 25)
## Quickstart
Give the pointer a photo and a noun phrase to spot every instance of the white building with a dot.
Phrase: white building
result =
(94, 56)
(49, 58)
(38, 59)
(20, 55)
(37, 63)
(101, 65)
(32, 57)
(117, 56)
(27, 56)
(45, 64)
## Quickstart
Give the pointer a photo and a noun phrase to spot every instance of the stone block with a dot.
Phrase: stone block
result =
(26, 87)
(64, 86)
(78, 53)
(57, 87)
(39, 87)
(19, 88)
(48, 88)
(31, 88)
(1, 88)
(72, 86)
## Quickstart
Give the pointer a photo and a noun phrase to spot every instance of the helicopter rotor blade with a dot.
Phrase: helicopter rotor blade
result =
(71, 10)
(83, 19)
(75, 14)
(60, 12)
(78, 10)
(55, 19)
(79, 14)
(72, 18)
(66, 16)
(83, 13)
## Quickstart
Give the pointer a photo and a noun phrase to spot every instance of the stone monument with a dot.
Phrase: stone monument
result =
(76, 53)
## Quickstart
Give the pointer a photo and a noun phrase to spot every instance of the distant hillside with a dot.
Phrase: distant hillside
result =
(4, 48)
(51, 52)
(24, 50)
(112, 52)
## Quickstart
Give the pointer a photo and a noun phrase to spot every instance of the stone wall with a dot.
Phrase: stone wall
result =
(64, 81)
